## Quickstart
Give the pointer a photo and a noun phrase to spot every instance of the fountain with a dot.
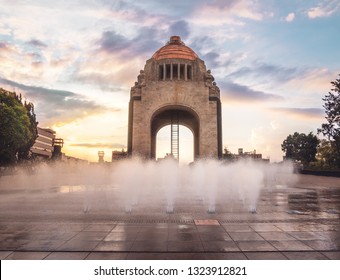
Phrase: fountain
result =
(137, 186)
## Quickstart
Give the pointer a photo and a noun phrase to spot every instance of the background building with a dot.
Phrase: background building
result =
(44, 144)
(249, 155)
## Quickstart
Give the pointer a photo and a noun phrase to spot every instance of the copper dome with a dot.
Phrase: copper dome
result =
(175, 48)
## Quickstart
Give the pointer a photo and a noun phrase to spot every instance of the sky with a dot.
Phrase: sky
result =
(77, 60)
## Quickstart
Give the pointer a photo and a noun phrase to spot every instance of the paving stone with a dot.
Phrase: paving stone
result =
(322, 245)
(121, 236)
(78, 245)
(276, 236)
(264, 228)
(67, 256)
(332, 255)
(304, 255)
(166, 256)
(255, 246)
(126, 228)
(27, 256)
(185, 246)
(291, 245)
(114, 246)
(106, 256)
(215, 236)
(184, 236)
(225, 256)
(100, 227)
(182, 228)
(41, 245)
(220, 246)
(237, 228)
(245, 236)
(90, 236)
(265, 256)
(148, 246)
(210, 229)
(305, 235)
(4, 254)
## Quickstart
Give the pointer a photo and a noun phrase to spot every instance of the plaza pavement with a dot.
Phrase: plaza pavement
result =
(299, 222)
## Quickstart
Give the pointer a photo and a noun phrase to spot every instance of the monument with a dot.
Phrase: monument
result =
(175, 88)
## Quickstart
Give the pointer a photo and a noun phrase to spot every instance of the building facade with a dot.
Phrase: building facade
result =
(44, 144)
(175, 88)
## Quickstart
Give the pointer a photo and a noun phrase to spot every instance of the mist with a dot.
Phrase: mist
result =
(139, 186)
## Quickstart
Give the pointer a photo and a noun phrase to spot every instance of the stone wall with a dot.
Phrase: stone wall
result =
(153, 93)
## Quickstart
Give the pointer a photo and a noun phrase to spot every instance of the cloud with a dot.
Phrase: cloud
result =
(305, 113)
(200, 43)
(4, 47)
(312, 85)
(134, 12)
(227, 12)
(37, 43)
(290, 17)
(208, 50)
(211, 59)
(144, 43)
(5, 30)
(323, 9)
(116, 56)
(53, 105)
(242, 93)
(33, 62)
(113, 42)
(268, 73)
(104, 81)
(100, 145)
(180, 28)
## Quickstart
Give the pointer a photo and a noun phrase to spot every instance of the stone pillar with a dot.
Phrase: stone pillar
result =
(171, 72)
(178, 71)
(164, 71)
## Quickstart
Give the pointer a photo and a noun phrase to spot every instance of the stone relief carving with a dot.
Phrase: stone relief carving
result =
(208, 78)
(141, 78)
(137, 88)
(209, 82)
(214, 90)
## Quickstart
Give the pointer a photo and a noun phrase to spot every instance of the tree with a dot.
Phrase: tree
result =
(227, 155)
(331, 129)
(326, 154)
(300, 147)
(24, 151)
(18, 128)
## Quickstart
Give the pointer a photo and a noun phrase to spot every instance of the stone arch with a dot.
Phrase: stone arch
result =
(187, 89)
(186, 116)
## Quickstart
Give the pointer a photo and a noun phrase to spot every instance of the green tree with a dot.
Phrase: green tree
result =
(227, 155)
(24, 151)
(18, 127)
(326, 154)
(300, 147)
(331, 129)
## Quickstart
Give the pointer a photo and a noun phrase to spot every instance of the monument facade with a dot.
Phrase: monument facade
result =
(175, 88)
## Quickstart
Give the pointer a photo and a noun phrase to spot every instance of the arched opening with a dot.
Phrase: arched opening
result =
(186, 143)
(185, 118)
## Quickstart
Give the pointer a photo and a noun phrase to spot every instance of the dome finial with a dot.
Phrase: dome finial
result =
(175, 48)
(176, 40)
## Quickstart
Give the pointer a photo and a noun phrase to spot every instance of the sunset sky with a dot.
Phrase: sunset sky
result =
(76, 60)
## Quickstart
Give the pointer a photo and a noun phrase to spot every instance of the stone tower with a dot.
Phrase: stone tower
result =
(175, 88)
